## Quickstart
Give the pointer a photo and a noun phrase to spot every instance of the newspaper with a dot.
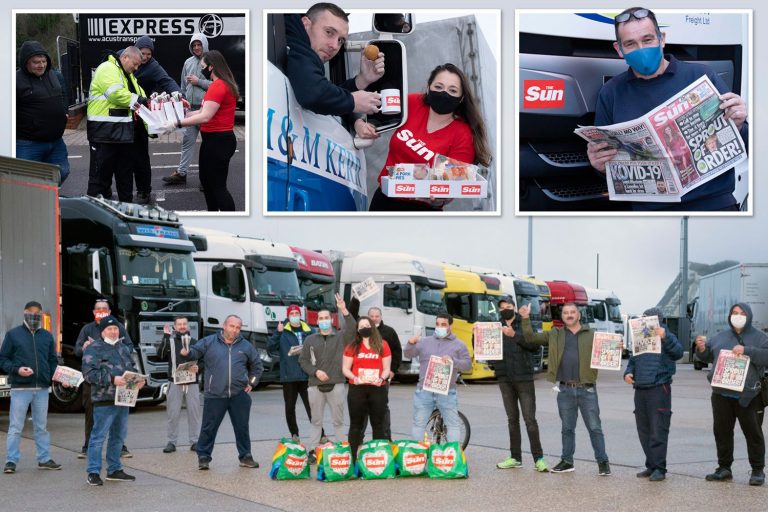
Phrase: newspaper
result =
(730, 371)
(676, 147)
(295, 350)
(438, 376)
(127, 395)
(488, 341)
(367, 288)
(184, 374)
(644, 341)
(67, 375)
(368, 375)
(606, 351)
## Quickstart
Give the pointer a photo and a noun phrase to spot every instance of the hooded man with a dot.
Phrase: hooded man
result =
(28, 356)
(41, 109)
(105, 361)
(651, 376)
(746, 405)
(193, 86)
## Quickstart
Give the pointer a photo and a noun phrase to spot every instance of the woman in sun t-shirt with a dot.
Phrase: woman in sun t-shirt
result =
(366, 364)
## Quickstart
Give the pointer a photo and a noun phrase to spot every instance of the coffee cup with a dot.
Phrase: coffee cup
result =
(390, 101)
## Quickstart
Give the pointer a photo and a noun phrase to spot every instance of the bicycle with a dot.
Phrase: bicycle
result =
(437, 433)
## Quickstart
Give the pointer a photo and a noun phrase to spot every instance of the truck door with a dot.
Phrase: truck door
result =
(398, 308)
(227, 296)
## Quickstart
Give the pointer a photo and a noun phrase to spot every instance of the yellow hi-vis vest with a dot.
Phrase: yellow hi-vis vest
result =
(110, 118)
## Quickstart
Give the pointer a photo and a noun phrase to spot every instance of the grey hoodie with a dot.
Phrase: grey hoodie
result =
(755, 346)
(194, 93)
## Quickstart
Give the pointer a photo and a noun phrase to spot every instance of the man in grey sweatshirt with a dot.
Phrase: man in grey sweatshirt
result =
(444, 344)
(193, 86)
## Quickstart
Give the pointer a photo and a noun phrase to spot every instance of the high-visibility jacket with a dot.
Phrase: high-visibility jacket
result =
(110, 118)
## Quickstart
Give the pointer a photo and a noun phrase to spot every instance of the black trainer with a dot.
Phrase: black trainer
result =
(563, 467)
(657, 476)
(120, 476)
(193, 448)
(10, 467)
(169, 448)
(83, 454)
(203, 464)
(49, 464)
(248, 462)
(645, 473)
(312, 458)
(603, 468)
(94, 479)
(124, 453)
(757, 477)
(720, 475)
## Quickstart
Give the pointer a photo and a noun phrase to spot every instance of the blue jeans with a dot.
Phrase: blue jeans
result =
(424, 402)
(20, 401)
(48, 152)
(112, 420)
(569, 402)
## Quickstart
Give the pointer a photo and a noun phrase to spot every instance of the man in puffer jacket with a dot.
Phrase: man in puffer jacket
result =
(651, 376)
(746, 405)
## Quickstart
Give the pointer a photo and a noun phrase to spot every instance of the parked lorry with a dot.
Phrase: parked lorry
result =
(318, 284)
(249, 277)
(564, 292)
(605, 311)
(746, 283)
(410, 292)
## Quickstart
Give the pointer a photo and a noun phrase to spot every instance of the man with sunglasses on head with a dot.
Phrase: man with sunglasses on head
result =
(652, 78)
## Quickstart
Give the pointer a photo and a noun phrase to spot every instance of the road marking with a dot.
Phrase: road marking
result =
(74, 156)
(170, 166)
(171, 153)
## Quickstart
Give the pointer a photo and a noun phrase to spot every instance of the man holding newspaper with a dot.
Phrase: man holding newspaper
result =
(650, 107)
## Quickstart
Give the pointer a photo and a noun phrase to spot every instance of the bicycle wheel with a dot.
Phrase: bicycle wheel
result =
(437, 433)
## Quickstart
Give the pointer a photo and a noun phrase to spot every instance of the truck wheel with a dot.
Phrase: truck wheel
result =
(66, 400)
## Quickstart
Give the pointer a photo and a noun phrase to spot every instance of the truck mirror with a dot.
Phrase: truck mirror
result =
(393, 22)
(101, 272)
(236, 283)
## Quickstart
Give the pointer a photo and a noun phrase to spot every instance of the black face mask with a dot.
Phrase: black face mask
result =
(507, 314)
(442, 102)
(207, 72)
(365, 332)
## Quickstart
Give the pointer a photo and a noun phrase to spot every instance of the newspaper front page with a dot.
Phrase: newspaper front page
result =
(488, 341)
(644, 341)
(438, 376)
(730, 371)
(606, 351)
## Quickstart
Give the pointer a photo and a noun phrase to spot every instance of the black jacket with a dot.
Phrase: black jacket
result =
(517, 365)
(41, 111)
(22, 348)
(389, 335)
(164, 353)
(306, 73)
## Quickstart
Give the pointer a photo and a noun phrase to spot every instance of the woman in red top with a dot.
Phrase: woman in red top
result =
(216, 118)
(366, 364)
(445, 120)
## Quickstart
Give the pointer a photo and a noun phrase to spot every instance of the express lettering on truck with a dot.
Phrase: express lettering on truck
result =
(544, 94)
(141, 26)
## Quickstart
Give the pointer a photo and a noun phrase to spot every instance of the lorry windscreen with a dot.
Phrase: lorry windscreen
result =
(546, 311)
(614, 313)
(536, 306)
(276, 282)
(487, 309)
(429, 300)
(154, 267)
(318, 296)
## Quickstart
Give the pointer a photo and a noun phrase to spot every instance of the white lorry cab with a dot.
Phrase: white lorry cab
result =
(252, 278)
(605, 311)
(410, 292)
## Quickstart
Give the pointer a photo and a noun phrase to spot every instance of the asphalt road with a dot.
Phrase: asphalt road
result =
(165, 159)
(172, 481)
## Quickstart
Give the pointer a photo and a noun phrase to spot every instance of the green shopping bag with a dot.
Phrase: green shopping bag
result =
(375, 460)
(289, 462)
(447, 460)
(410, 458)
(334, 462)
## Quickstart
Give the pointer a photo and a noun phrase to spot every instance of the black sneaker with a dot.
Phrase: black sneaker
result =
(720, 475)
(144, 198)
(49, 464)
(248, 462)
(563, 467)
(169, 448)
(10, 467)
(94, 479)
(83, 454)
(175, 179)
(193, 448)
(603, 468)
(645, 473)
(757, 477)
(312, 458)
(125, 454)
(657, 476)
(203, 464)
(120, 476)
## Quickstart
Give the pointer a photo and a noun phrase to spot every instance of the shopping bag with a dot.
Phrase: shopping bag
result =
(447, 460)
(410, 458)
(375, 460)
(334, 462)
(290, 461)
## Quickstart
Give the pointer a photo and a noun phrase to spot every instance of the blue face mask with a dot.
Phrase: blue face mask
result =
(324, 325)
(441, 332)
(645, 61)
(295, 320)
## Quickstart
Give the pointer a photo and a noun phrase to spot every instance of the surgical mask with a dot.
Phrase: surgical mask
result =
(207, 72)
(441, 332)
(295, 320)
(507, 314)
(442, 102)
(645, 61)
(111, 341)
(365, 332)
(33, 320)
(324, 325)
(738, 321)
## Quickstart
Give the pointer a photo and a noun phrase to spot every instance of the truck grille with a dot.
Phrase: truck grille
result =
(577, 192)
(566, 159)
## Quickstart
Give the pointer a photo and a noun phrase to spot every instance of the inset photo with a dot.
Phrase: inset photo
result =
(381, 112)
(633, 111)
(145, 107)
